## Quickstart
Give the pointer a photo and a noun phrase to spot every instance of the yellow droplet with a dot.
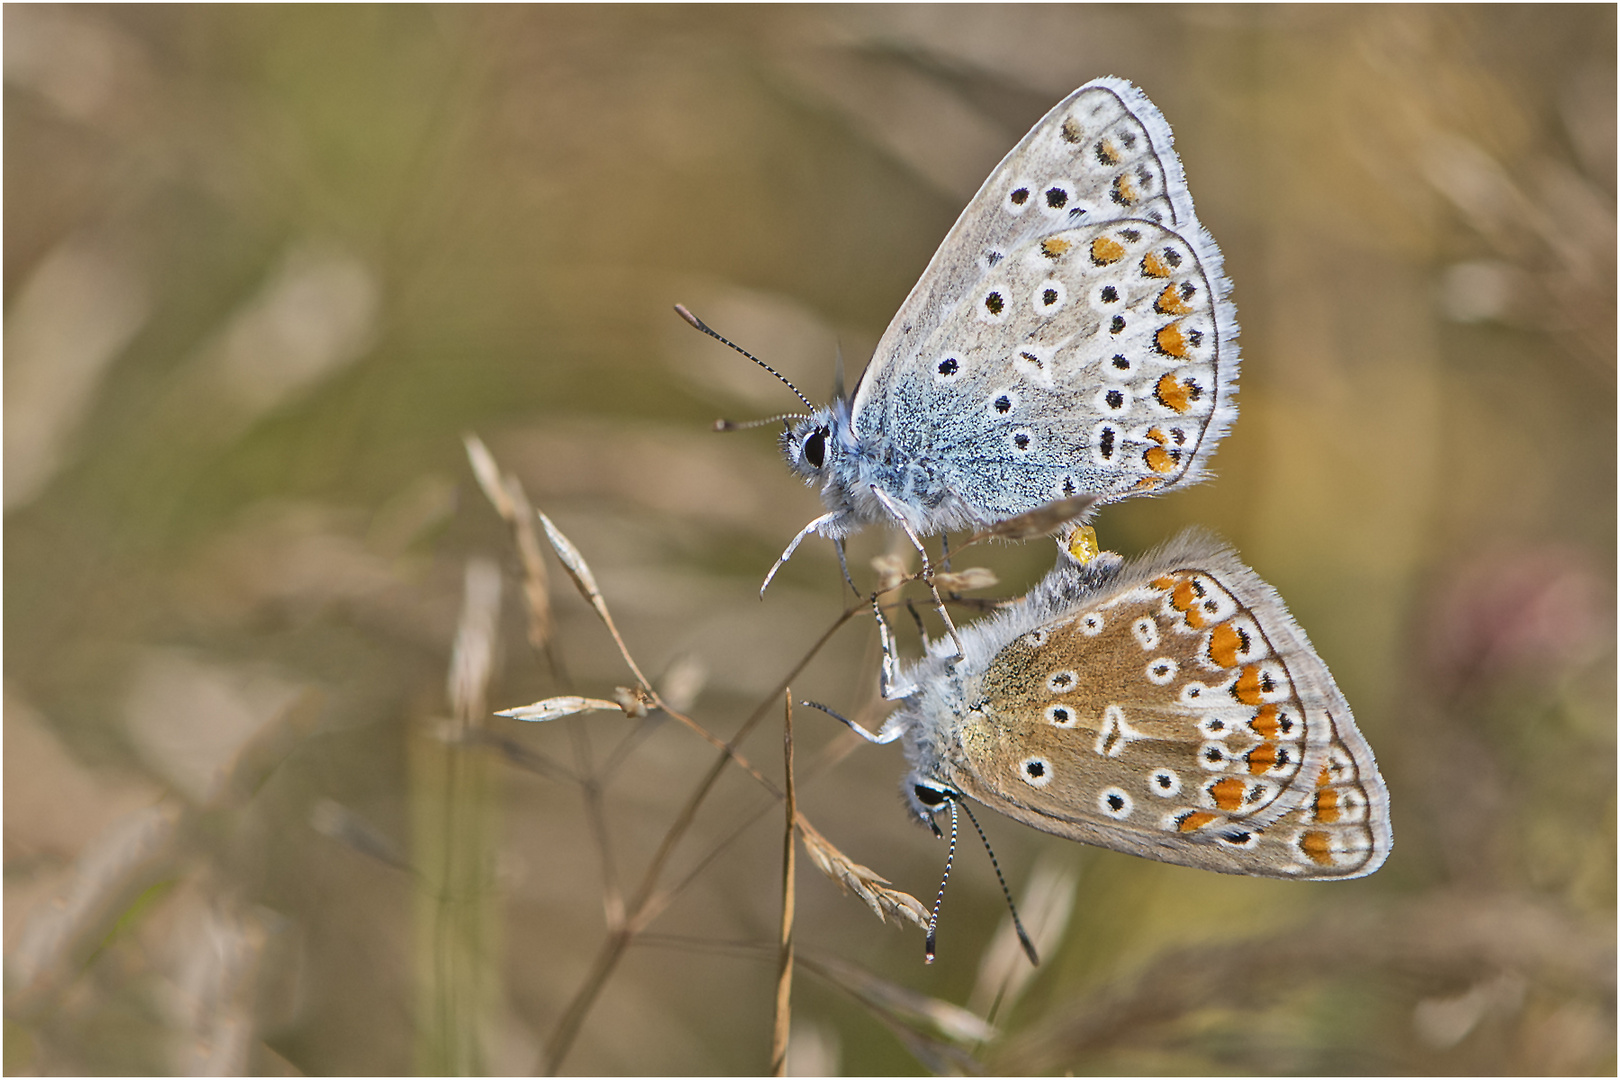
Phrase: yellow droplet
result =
(1082, 544)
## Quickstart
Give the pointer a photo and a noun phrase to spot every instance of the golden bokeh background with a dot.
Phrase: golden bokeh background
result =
(266, 266)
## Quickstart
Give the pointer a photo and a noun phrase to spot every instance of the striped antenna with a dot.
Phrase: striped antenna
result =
(699, 324)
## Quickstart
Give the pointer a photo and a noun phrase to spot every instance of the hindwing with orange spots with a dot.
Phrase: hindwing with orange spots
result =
(1176, 712)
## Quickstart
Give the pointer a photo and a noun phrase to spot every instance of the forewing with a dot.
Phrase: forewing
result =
(1102, 154)
(1098, 360)
(1185, 718)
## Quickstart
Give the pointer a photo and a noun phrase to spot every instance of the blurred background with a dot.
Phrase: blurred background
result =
(266, 266)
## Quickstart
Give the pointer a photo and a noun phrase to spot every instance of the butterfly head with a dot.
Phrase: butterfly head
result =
(925, 798)
(813, 444)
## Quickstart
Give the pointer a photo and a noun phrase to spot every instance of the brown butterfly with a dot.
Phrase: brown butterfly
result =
(1170, 708)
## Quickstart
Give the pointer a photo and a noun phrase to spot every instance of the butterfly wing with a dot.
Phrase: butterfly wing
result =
(1179, 713)
(1072, 333)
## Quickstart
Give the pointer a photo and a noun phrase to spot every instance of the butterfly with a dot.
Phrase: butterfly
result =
(1070, 344)
(1169, 708)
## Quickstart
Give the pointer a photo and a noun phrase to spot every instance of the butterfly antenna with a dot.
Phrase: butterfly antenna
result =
(743, 425)
(699, 324)
(933, 920)
(838, 372)
(1023, 938)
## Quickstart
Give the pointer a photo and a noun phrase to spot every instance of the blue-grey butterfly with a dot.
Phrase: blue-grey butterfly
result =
(1170, 708)
(1071, 343)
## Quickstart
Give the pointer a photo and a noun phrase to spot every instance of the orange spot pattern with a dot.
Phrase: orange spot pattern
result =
(1056, 246)
(1124, 191)
(1184, 599)
(1247, 687)
(1174, 395)
(1171, 341)
(1153, 266)
(1105, 250)
(1265, 722)
(1327, 806)
(1170, 303)
(1317, 846)
(1262, 758)
(1228, 793)
(1196, 820)
(1224, 643)
(1158, 458)
(1107, 152)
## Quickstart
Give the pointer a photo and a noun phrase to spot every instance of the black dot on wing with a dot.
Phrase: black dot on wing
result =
(1164, 781)
(1117, 324)
(1021, 441)
(948, 366)
(1188, 289)
(1121, 363)
(1068, 485)
(1049, 297)
(1003, 403)
(1172, 256)
(1060, 715)
(1212, 754)
(1129, 139)
(993, 303)
(1036, 769)
(1109, 294)
(1020, 196)
(1132, 236)
(1106, 444)
(1115, 399)
(1056, 197)
(1116, 802)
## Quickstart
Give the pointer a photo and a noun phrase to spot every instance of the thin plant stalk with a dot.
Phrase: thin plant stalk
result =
(647, 901)
(784, 973)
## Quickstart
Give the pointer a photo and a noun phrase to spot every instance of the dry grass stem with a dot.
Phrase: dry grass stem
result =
(472, 659)
(892, 570)
(974, 577)
(915, 1010)
(506, 494)
(555, 708)
(886, 903)
(1004, 970)
(580, 571)
(488, 474)
(649, 901)
(337, 822)
(784, 972)
(133, 852)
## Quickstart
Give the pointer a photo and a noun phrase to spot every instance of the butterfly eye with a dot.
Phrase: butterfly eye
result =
(815, 448)
(928, 796)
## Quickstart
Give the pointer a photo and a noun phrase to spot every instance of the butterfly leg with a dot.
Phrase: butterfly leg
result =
(885, 735)
(843, 564)
(814, 526)
(890, 675)
(927, 567)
